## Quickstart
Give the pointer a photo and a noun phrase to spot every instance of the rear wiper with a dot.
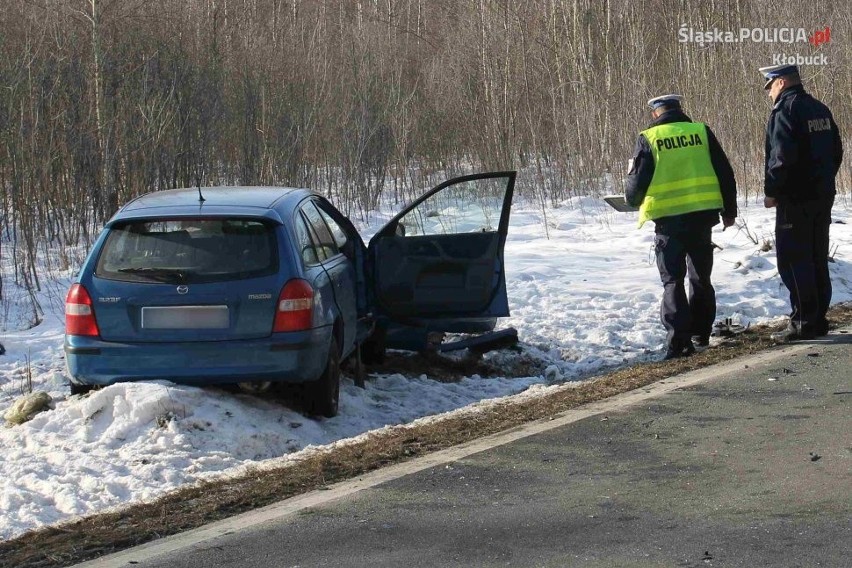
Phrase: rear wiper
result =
(159, 274)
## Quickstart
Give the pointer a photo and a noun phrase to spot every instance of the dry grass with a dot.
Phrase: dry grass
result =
(194, 506)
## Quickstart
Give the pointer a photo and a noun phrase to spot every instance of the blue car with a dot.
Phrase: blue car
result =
(260, 285)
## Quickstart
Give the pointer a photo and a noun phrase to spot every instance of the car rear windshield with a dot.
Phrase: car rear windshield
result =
(188, 250)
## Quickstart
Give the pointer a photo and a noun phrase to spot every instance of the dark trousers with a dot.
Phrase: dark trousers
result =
(801, 241)
(680, 255)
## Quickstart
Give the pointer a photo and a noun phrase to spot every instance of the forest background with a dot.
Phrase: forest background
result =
(102, 100)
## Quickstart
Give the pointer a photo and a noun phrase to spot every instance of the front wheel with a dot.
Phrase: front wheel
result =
(373, 348)
(324, 393)
(80, 389)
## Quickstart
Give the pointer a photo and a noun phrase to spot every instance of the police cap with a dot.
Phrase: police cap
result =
(667, 100)
(774, 71)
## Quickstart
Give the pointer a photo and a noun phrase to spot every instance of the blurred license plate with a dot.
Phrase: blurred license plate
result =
(185, 317)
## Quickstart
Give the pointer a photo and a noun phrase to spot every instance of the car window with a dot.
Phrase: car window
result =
(326, 245)
(321, 252)
(304, 242)
(339, 235)
(468, 207)
(188, 250)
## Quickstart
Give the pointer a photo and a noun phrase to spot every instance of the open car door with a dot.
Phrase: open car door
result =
(441, 258)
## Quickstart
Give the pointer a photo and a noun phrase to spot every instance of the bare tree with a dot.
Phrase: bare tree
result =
(105, 99)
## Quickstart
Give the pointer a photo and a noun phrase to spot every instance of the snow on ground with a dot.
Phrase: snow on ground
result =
(584, 299)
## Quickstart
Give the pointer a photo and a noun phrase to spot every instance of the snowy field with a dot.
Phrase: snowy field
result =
(583, 300)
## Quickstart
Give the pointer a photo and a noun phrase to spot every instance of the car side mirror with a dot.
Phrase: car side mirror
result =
(400, 230)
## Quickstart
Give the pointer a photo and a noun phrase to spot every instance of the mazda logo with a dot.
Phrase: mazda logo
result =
(182, 289)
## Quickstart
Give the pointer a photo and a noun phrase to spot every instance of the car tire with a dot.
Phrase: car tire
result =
(80, 389)
(373, 349)
(324, 393)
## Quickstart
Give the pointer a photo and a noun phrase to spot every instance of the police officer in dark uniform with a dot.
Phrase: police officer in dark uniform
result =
(803, 155)
(681, 179)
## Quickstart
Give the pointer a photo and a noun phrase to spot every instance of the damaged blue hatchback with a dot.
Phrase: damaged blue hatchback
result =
(268, 284)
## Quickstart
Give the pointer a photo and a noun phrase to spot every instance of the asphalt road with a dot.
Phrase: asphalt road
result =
(747, 466)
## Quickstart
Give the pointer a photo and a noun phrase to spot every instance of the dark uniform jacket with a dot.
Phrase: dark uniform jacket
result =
(642, 172)
(803, 148)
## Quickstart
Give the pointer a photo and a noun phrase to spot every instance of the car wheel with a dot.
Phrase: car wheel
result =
(324, 393)
(373, 349)
(254, 387)
(80, 389)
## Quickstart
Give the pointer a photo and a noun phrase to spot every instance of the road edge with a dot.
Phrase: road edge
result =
(343, 489)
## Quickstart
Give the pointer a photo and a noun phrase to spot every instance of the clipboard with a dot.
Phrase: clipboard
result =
(618, 203)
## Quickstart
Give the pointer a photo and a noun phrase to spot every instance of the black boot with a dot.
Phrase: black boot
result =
(678, 349)
(793, 333)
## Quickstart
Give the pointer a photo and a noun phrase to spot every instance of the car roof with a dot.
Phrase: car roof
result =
(254, 201)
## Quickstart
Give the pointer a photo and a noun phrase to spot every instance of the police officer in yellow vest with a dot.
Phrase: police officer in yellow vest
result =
(681, 179)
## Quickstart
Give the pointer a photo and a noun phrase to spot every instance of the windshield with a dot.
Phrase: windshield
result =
(187, 251)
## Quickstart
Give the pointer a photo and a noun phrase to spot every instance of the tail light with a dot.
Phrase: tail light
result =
(79, 314)
(295, 308)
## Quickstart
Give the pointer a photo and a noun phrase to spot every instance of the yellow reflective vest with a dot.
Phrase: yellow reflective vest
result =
(684, 179)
